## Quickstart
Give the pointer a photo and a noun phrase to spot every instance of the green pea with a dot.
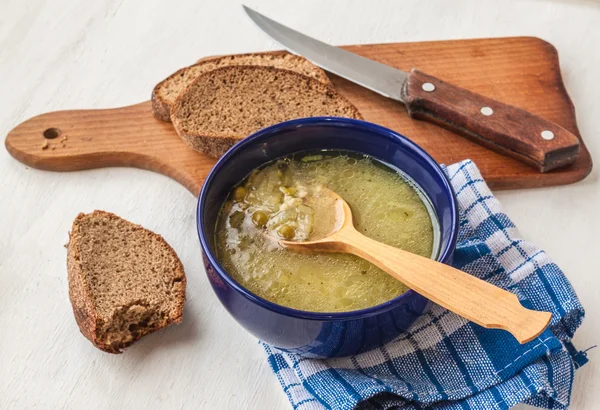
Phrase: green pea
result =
(286, 231)
(239, 193)
(260, 218)
(288, 190)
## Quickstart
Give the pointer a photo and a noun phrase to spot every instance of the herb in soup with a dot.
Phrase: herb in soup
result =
(274, 202)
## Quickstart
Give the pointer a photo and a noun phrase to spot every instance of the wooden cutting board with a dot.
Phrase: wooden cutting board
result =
(521, 71)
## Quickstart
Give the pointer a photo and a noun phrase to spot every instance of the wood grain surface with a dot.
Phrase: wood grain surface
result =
(498, 126)
(520, 71)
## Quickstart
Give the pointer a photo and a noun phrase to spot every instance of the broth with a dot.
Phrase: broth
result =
(273, 203)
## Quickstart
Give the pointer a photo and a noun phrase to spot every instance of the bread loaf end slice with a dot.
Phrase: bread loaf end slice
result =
(124, 280)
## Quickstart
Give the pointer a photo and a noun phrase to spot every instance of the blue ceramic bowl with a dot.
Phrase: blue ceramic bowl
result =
(314, 334)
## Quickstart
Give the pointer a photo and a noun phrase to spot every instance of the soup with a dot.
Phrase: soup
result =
(274, 203)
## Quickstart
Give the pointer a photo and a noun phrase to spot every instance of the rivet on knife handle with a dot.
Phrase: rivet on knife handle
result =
(501, 127)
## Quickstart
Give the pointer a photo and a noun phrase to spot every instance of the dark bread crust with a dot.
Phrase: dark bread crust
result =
(161, 109)
(216, 145)
(85, 311)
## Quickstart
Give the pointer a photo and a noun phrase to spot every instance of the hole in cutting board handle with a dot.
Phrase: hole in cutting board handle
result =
(52, 133)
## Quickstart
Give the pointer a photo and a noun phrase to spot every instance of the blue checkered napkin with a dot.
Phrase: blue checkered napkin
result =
(446, 362)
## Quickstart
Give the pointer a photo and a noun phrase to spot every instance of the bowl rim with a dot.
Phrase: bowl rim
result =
(320, 121)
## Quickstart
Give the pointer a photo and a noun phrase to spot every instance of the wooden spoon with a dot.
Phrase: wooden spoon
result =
(463, 294)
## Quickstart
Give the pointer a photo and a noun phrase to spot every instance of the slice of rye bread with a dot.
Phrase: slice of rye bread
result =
(227, 104)
(124, 281)
(165, 93)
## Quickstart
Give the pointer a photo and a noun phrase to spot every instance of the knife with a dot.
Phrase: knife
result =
(500, 127)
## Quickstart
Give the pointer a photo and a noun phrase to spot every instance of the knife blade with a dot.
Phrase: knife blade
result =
(501, 127)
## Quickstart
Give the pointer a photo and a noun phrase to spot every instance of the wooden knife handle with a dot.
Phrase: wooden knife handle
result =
(500, 127)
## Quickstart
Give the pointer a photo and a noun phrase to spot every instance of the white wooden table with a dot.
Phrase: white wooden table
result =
(96, 54)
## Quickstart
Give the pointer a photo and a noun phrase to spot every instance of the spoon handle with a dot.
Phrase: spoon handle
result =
(466, 295)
